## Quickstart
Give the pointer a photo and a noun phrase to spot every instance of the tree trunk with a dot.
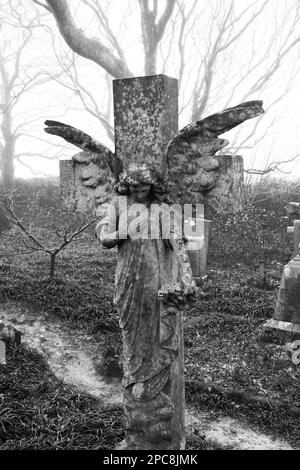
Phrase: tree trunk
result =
(150, 60)
(8, 151)
(7, 165)
(52, 264)
(9, 139)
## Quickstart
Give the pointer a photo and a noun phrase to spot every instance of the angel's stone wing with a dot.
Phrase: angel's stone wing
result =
(94, 151)
(87, 179)
(194, 171)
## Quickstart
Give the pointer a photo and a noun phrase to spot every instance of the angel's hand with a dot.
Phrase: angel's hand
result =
(189, 288)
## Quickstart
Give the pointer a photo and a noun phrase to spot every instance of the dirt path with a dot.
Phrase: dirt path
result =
(73, 357)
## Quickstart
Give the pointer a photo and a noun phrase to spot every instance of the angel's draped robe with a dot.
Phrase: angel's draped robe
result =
(143, 267)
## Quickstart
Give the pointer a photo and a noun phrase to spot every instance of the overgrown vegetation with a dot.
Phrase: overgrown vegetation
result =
(259, 232)
(38, 224)
(37, 411)
(220, 349)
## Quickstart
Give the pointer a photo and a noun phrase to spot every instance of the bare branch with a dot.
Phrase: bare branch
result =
(13, 218)
(42, 5)
(91, 49)
(164, 19)
(272, 167)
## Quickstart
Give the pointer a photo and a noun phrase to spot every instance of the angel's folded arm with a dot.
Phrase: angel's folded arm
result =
(107, 229)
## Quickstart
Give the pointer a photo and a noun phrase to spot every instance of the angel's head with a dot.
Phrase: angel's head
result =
(140, 192)
(140, 182)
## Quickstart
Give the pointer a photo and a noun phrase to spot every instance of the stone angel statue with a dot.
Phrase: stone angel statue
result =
(153, 275)
(193, 169)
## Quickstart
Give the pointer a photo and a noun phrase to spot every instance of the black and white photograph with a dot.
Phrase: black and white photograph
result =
(149, 229)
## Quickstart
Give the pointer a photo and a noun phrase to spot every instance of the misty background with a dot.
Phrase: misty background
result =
(222, 52)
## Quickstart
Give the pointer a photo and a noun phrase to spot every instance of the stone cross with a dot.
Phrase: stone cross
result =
(145, 115)
(261, 270)
(146, 118)
(293, 209)
(286, 318)
(295, 229)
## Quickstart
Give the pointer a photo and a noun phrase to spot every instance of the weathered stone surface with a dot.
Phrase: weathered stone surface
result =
(228, 193)
(295, 229)
(293, 208)
(146, 118)
(286, 317)
(193, 168)
(67, 182)
(208, 163)
(197, 250)
(288, 300)
(84, 185)
(10, 335)
(2, 352)
(153, 278)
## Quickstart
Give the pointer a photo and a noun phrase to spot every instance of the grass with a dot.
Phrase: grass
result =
(80, 292)
(37, 411)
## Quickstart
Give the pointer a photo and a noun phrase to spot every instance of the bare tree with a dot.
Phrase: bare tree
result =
(31, 242)
(202, 43)
(98, 105)
(89, 48)
(17, 79)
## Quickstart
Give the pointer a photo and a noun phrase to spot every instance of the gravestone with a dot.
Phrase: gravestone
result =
(2, 352)
(146, 113)
(10, 335)
(285, 322)
(295, 230)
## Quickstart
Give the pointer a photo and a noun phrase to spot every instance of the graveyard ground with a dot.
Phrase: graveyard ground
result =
(39, 411)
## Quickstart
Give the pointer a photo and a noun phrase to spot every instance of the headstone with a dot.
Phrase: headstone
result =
(2, 352)
(285, 322)
(293, 208)
(10, 335)
(261, 277)
(295, 229)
